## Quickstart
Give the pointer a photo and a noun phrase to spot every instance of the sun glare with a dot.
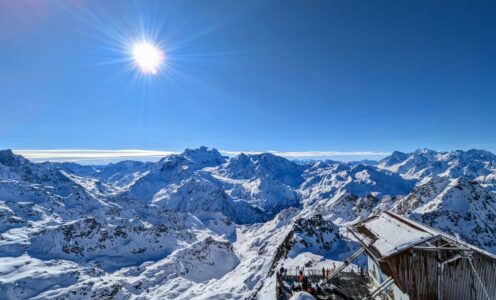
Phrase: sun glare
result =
(148, 57)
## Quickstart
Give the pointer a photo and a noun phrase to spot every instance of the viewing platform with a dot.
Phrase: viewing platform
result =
(348, 284)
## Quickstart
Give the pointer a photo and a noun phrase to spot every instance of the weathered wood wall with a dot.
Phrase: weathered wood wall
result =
(416, 272)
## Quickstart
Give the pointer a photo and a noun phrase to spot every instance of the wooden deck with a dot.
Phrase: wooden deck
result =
(346, 285)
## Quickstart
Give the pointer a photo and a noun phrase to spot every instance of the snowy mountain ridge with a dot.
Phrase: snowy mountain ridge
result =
(197, 224)
(479, 165)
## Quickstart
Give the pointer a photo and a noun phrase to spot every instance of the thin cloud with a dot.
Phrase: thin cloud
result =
(76, 155)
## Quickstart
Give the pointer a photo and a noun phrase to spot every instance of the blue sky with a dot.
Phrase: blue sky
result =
(339, 76)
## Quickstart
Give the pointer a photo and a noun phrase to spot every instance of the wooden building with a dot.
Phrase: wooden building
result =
(409, 260)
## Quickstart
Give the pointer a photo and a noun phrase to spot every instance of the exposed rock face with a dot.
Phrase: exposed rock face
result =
(315, 235)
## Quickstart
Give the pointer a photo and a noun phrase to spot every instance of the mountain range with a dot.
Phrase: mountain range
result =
(198, 224)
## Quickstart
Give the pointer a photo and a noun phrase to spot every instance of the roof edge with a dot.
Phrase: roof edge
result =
(418, 226)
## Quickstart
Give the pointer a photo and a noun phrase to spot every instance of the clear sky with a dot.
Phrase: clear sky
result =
(249, 75)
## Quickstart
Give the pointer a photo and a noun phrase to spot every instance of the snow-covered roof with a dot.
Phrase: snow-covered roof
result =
(388, 233)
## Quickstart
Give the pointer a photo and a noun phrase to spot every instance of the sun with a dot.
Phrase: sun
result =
(148, 57)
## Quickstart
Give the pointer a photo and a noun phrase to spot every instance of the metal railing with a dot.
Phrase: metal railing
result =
(314, 272)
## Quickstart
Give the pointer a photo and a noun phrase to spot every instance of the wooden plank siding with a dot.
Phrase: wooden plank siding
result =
(416, 273)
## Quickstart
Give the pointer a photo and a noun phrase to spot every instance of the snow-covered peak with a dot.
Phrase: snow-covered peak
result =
(481, 154)
(204, 156)
(473, 155)
(200, 158)
(426, 155)
(425, 152)
(9, 159)
(123, 165)
(264, 165)
(123, 173)
(17, 168)
(172, 169)
(324, 164)
(395, 158)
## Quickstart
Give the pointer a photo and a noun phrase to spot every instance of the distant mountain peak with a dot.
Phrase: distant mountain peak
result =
(398, 154)
(425, 151)
(481, 154)
(8, 158)
(265, 165)
(204, 155)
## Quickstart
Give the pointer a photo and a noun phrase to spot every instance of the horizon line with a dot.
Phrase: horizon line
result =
(107, 155)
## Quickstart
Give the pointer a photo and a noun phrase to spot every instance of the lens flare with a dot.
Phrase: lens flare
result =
(148, 57)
